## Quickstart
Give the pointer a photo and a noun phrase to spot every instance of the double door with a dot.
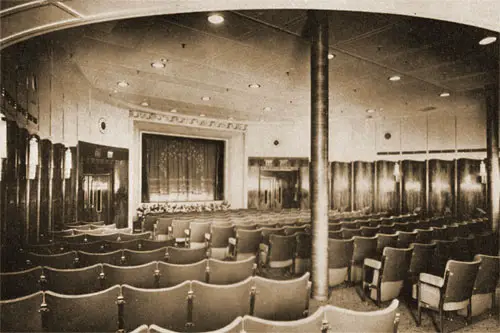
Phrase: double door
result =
(97, 197)
(278, 190)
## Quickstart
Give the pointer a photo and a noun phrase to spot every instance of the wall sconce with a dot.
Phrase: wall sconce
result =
(3, 143)
(32, 158)
(397, 172)
(68, 161)
(482, 172)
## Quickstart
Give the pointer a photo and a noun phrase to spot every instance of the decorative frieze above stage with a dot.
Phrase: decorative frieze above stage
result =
(187, 120)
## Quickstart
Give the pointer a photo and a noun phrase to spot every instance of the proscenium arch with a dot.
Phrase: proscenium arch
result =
(16, 27)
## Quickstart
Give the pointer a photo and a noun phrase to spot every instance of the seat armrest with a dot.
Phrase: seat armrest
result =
(187, 232)
(208, 236)
(232, 241)
(433, 280)
(375, 264)
(263, 247)
(170, 230)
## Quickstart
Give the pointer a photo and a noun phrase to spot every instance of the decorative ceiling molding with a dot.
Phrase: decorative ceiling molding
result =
(187, 120)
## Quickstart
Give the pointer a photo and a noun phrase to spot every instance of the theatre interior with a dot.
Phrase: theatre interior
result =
(249, 166)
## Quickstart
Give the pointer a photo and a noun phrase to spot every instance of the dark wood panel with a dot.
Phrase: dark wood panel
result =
(387, 187)
(341, 186)
(304, 187)
(57, 187)
(22, 184)
(413, 185)
(471, 192)
(253, 185)
(45, 186)
(441, 187)
(120, 194)
(363, 185)
(70, 190)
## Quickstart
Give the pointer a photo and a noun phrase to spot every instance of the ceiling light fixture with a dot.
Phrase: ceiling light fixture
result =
(216, 19)
(122, 84)
(487, 40)
(173, 110)
(202, 115)
(158, 64)
(254, 85)
(145, 103)
(444, 94)
(205, 98)
(395, 78)
(267, 108)
(230, 118)
(370, 111)
(331, 56)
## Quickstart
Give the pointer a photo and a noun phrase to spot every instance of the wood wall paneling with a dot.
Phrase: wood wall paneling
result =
(363, 185)
(57, 187)
(45, 187)
(340, 195)
(253, 184)
(471, 192)
(414, 188)
(387, 187)
(22, 185)
(441, 187)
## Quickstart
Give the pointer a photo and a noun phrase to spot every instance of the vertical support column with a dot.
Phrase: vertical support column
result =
(319, 153)
(493, 176)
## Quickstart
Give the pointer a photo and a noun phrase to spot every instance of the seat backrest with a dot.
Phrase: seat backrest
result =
(267, 232)
(198, 231)
(220, 235)
(162, 225)
(405, 238)
(77, 281)
(227, 272)
(134, 258)
(304, 245)
(248, 240)
(149, 222)
(75, 239)
(245, 225)
(423, 235)
(334, 226)
(129, 237)
(20, 284)
(460, 280)
(179, 227)
(91, 246)
(177, 255)
(174, 274)
(281, 247)
(63, 260)
(387, 229)
(290, 230)
(232, 301)
(484, 243)
(312, 323)
(281, 300)
(166, 307)
(134, 244)
(487, 275)
(421, 258)
(22, 314)
(143, 276)
(364, 247)
(148, 244)
(88, 259)
(335, 234)
(236, 326)
(384, 240)
(396, 264)
(340, 252)
(344, 320)
(96, 312)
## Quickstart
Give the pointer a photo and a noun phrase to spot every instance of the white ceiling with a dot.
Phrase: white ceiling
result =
(268, 48)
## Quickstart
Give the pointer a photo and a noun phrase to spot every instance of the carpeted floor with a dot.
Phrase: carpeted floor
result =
(348, 298)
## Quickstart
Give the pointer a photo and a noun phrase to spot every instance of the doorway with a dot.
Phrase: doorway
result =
(97, 197)
(279, 189)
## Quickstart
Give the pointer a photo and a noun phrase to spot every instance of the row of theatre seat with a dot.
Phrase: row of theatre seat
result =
(326, 319)
(155, 274)
(189, 306)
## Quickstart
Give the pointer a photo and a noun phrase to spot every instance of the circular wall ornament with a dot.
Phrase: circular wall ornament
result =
(387, 136)
(103, 126)
(276, 142)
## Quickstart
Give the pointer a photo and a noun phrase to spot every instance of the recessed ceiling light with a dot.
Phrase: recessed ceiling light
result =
(145, 103)
(267, 108)
(173, 110)
(370, 111)
(331, 56)
(254, 85)
(115, 91)
(122, 84)
(230, 118)
(158, 64)
(216, 19)
(205, 98)
(202, 115)
(395, 78)
(444, 94)
(487, 40)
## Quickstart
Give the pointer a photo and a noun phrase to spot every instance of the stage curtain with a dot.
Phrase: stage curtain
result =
(181, 169)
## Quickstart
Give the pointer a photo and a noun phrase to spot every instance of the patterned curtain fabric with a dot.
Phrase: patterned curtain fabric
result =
(181, 169)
